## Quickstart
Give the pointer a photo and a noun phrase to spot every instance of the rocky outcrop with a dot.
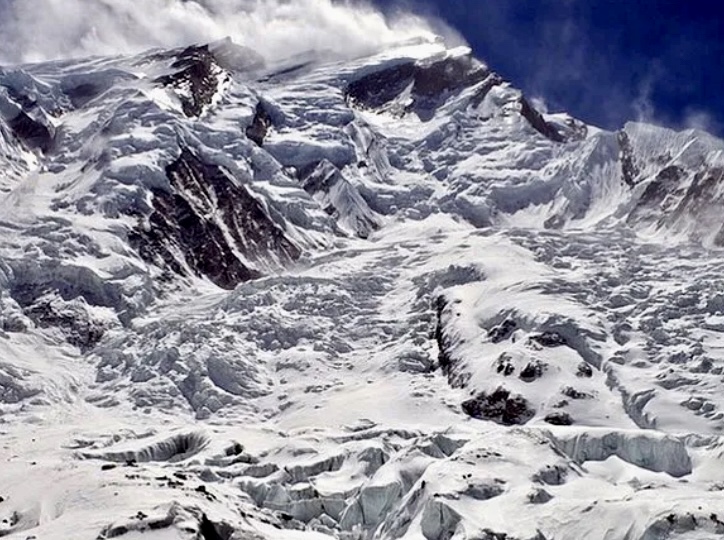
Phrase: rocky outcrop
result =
(196, 80)
(449, 74)
(549, 339)
(503, 331)
(444, 343)
(340, 199)
(668, 182)
(377, 89)
(536, 120)
(683, 199)
(23, 115)
(430, 84)
(559, 419)
(488, 84)
(500, 406)
(532, 371)
(629, 169)
(260, 124)
(704, 198)
(211, 226)
(32, 133)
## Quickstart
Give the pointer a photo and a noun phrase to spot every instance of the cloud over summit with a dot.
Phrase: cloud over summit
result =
(38, 30)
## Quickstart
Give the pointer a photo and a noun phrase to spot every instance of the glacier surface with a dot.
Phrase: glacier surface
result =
(378, 298)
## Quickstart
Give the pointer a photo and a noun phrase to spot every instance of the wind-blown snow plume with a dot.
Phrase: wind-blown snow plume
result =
(37, 30)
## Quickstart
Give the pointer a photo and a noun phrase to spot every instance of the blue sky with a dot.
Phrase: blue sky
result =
(604, 61)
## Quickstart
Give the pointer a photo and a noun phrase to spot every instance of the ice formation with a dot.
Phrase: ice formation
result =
(375, 298)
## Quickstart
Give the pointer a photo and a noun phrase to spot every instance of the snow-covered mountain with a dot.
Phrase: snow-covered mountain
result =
(373, 299)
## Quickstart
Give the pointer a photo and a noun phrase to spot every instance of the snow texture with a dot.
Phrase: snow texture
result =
(370, 298)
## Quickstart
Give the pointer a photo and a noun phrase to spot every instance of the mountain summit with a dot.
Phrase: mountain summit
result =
(371, 299)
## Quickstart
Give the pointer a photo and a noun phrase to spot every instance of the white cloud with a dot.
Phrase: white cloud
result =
(37, 30)
(643, 105)
(697, 119)
(539, 104)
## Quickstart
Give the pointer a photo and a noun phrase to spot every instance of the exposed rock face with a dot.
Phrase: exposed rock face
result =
(536, 120)
(378, 89)
(584, 371)
(503, 331)
(666, 183)
(33, 134)
(260, 125)
(504, 365)
(539, 495)
(429, 84)
(490, 82)
(341, 199)
(704, 198)
(551, 475)
(210, 225)
(500, 406)
(434, 81)
(629, 168)
(197, 80)
(559, 419)
(444, 345)
(549, 339)
(532, 371)
(675, 194)
(681, 525)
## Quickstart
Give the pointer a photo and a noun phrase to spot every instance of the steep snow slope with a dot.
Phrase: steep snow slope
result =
(384, 298)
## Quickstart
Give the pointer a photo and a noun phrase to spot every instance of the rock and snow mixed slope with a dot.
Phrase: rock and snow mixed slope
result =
(383, 298)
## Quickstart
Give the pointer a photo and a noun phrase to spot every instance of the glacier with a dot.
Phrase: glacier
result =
(371, 298)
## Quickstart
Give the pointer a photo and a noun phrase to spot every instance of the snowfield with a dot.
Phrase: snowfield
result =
(374, 299)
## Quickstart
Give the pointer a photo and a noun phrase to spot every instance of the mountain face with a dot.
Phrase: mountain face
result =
(376, 299)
